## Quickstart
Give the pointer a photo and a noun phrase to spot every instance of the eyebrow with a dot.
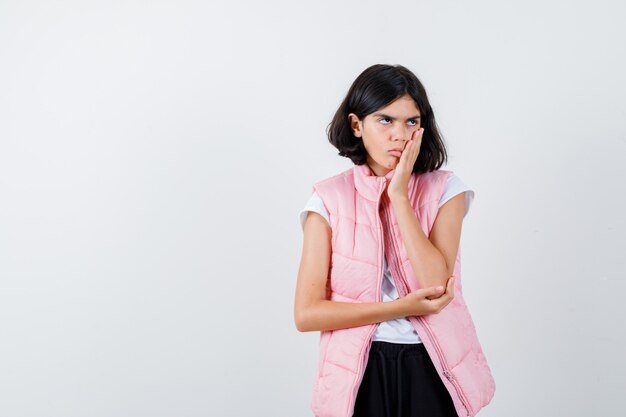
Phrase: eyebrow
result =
(394, 118)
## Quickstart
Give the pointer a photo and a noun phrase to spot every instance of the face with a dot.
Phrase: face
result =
(387, 129)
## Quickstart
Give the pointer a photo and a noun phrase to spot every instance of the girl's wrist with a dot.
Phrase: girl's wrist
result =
(397, 199)
(401, 307)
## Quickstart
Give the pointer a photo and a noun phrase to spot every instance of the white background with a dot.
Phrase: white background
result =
(154, 157)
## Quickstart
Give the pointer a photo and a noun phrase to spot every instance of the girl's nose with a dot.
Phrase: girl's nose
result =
(400, 134)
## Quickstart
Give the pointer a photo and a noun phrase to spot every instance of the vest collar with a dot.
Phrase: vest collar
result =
(368, 183)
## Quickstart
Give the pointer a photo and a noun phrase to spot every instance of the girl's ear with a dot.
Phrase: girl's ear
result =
(355, 125)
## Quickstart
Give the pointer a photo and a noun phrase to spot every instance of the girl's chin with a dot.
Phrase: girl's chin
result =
(392, 164)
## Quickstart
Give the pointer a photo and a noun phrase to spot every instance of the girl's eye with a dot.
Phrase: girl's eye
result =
(412, 122)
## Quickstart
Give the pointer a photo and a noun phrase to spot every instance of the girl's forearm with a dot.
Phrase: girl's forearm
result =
(427, 262)
(332, 315)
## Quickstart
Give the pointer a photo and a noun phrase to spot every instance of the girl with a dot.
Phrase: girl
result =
(380, 264)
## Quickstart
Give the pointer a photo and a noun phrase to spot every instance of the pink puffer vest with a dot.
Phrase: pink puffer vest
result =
(353, 199)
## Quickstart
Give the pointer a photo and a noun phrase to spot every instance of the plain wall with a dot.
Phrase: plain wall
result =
(154, 157)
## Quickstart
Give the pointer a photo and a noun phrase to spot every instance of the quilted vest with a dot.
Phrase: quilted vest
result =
(358, 208)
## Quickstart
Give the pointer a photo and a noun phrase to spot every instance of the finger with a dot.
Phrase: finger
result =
(410, 149)
(432, 293)
(446, 298)
(418, 135)
(449, 295)
(403, 154)
(409, 152)
(436, 296)
(406, 155)
(407, 147)
(450, 286)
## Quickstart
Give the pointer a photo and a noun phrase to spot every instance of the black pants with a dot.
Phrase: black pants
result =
(400, 380)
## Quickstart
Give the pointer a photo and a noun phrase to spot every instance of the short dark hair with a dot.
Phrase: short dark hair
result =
(376, 87)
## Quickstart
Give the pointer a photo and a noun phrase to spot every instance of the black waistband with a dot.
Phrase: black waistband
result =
(392, 350)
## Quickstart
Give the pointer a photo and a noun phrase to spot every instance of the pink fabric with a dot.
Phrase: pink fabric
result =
(352, 199)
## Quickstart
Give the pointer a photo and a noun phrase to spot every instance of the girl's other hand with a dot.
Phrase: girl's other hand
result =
(418, 302)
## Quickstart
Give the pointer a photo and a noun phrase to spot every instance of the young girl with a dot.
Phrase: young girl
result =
(380, 268)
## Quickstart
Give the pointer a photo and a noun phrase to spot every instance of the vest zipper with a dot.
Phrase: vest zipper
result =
(402, 289)
(364, 353)
(445, 369)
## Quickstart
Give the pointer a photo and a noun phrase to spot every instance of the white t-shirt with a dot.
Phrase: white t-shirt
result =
(397, 330)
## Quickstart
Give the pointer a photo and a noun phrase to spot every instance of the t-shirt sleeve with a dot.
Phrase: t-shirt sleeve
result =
(455, 186)
(315, 204)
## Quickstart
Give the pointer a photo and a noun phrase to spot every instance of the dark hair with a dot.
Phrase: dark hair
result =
(377, 87)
